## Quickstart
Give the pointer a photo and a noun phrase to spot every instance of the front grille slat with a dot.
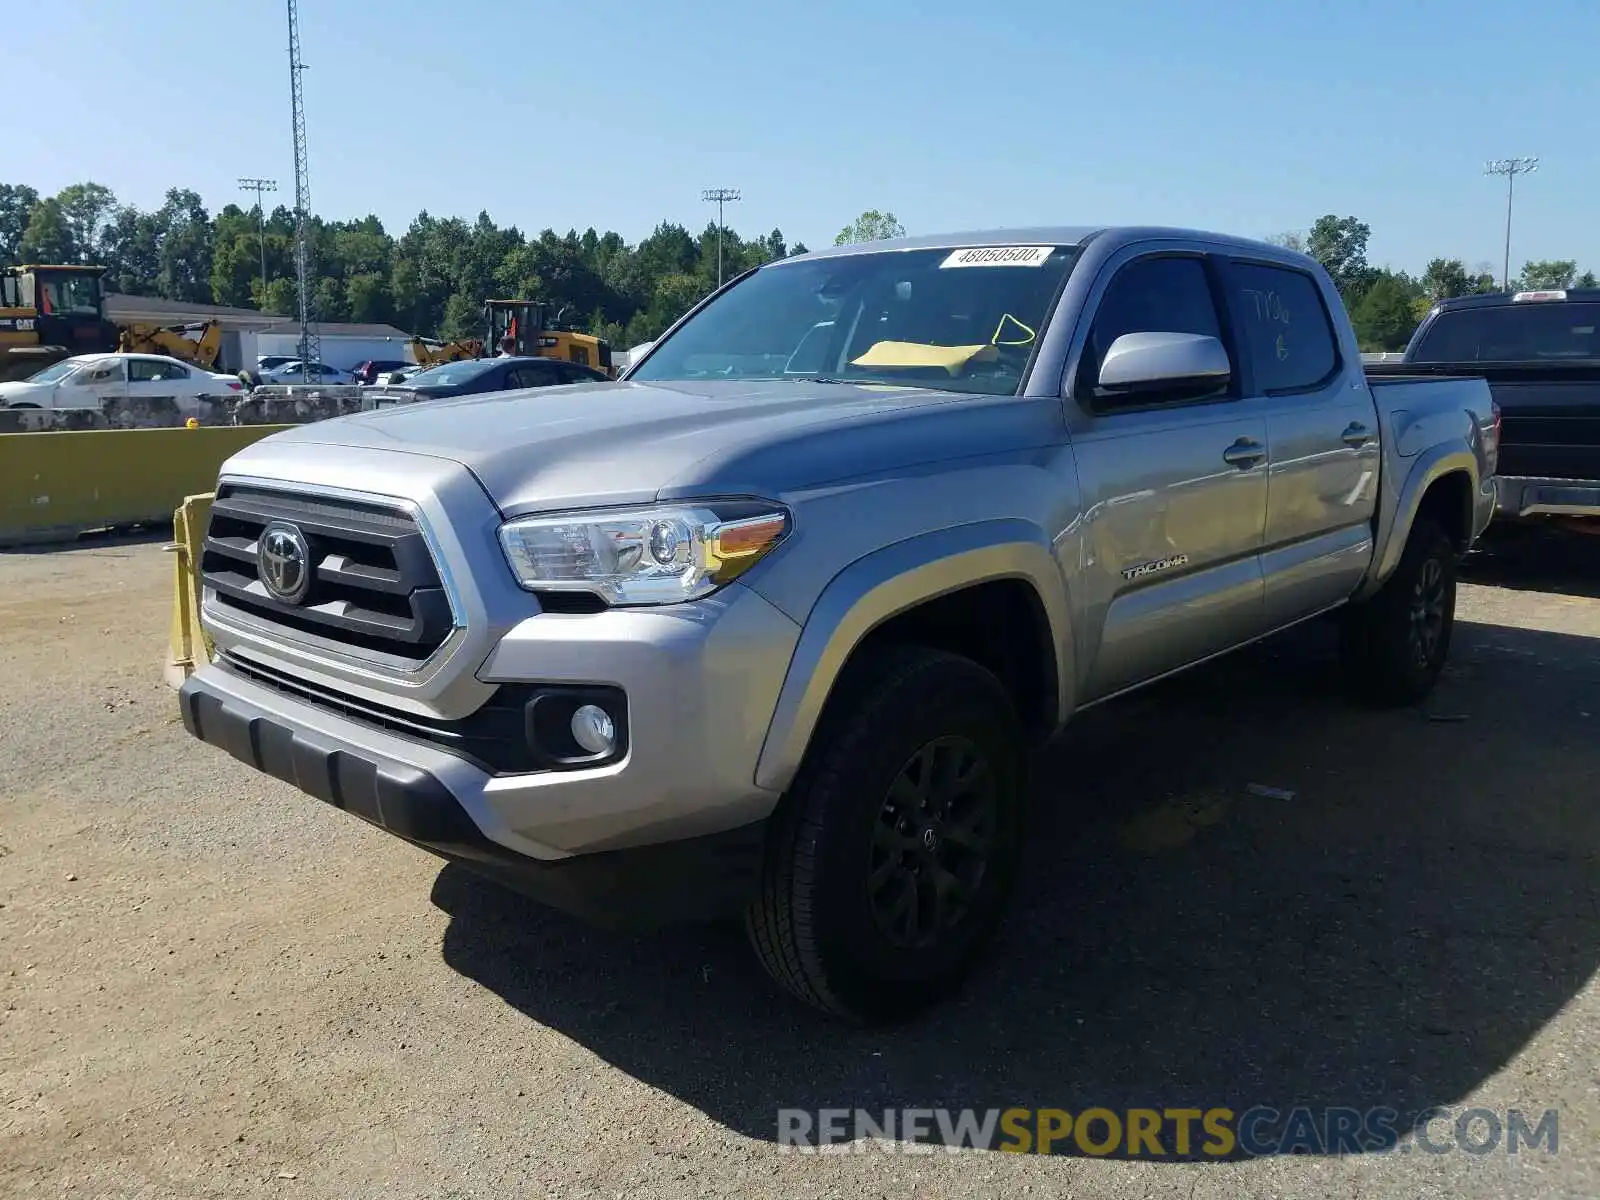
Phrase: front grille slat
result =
(375, 587)
(240, 548)
(339, 569)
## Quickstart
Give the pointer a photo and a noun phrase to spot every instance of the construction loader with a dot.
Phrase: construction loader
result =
(50, 312)
(523, 321)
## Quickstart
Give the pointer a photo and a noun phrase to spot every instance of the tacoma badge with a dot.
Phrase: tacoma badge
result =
(1150, 568)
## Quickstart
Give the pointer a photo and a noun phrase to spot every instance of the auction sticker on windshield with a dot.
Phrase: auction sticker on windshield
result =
(998, 256)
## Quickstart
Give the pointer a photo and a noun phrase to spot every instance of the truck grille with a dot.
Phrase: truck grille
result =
(374, 586)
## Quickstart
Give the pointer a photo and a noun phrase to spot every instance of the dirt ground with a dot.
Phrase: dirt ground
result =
(211, 985)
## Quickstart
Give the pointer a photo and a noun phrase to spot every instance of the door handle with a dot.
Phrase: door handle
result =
(1244, 453)
(1356, 434)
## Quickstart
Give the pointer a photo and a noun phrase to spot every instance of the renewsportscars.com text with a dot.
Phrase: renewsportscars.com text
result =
(1169, 1132)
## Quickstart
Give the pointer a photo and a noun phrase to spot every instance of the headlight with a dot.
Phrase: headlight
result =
(642, 556)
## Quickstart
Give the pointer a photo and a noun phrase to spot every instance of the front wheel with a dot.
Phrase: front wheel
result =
(893, 855)
(1394, 644)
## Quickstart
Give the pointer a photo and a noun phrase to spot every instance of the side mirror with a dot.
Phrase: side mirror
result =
(1138, 364)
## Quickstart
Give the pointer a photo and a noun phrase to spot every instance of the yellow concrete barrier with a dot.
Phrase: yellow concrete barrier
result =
(56, 485)
(188, 644)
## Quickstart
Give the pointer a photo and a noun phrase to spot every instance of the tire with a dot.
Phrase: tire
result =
(832, 922)
(1395, 643)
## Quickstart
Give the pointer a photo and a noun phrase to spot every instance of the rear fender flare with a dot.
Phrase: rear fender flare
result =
(891, 581)
(1427, 469)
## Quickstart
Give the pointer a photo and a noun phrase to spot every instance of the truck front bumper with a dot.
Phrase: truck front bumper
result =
(669, 829)
(423, 795)
(1518, 497)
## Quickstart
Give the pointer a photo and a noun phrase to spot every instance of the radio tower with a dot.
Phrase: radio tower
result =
(310, 343)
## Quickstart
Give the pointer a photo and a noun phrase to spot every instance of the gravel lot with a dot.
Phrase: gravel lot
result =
(213, 986)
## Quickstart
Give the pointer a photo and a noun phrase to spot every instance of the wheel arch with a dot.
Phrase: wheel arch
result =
(920, 584)
(1439, 484)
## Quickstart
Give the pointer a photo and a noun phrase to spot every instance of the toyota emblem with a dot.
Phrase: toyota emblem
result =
(283, 561)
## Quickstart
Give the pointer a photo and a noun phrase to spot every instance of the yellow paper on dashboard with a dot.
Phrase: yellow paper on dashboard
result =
(888, 356)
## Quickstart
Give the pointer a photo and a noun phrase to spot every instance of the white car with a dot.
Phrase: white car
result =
(295, 372)
(96, 380)
(390, 378)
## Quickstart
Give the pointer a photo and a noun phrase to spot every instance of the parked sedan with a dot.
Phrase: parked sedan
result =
(490, 375)
(373, 369)
(297, 372)
(99, 380)
(390, 378)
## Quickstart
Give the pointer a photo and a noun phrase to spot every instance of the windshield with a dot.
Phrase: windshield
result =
(56, 372)
(450, 374)
(963, 320)
(1527, 332)
(77, 292)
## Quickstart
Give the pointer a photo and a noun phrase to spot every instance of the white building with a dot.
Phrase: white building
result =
(247, 334)
(622, 359)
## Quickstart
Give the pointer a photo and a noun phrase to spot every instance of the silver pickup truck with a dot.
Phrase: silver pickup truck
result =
(768, 627)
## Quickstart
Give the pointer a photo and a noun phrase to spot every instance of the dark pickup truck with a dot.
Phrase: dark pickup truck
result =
(1540, 353)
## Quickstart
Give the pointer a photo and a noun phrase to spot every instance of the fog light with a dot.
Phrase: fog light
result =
(592, 729)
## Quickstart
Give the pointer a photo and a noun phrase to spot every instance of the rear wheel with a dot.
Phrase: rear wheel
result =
(894, 853)
(1394, 645)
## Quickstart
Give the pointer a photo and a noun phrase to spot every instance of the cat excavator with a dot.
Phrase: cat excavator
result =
(199, 344)
(430, 352)
(50, 312)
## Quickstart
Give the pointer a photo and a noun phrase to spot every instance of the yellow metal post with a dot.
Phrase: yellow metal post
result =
(188, 644)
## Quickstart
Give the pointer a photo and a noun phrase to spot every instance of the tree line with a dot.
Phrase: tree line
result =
(1386, 306)
(434, 277)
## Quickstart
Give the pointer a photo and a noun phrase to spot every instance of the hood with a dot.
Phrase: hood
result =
(630, 443)
(20, 389)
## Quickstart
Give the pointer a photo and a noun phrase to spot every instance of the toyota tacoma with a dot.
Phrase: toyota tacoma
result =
(768, 627)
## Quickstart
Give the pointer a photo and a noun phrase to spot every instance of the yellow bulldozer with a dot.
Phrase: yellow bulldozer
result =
(50, 312)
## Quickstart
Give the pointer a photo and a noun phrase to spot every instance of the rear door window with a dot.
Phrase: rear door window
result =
(1533, 331)
(535, 375)
(1284, 328)
(153, 370)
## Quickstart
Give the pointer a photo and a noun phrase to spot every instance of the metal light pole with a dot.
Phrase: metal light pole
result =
(310, 340)
(721, 196)
(1510, 168)
(258, 186)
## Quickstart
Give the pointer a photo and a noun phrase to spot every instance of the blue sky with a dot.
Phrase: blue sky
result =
(1242, 116)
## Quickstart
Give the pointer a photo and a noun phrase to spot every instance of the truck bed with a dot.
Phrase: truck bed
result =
(1550, 411)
